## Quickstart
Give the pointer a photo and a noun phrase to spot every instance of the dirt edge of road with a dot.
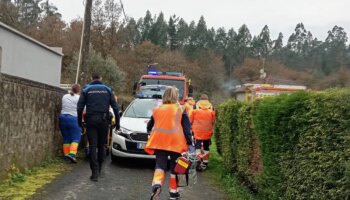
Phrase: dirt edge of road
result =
(23, 185)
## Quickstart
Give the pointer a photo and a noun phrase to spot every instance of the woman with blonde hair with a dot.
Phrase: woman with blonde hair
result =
(170, 136)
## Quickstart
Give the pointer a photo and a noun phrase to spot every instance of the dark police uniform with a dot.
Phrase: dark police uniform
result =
(97, 97)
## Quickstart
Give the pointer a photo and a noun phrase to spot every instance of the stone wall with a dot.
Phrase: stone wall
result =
(29, 131)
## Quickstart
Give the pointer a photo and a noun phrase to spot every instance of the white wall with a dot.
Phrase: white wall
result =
(26, 58)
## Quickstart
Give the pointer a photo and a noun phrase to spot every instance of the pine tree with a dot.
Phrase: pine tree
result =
(230, 56)
(200, 36)
(335, 50)
(49, 9)
(278, 43)
(221, 41)
(243, 42)
(210, 41)
(262, 44)
(158, 32)
(183, 33)
(299, 39)
(29, 12)
(133, 36)
(172, 32)
(146, 26)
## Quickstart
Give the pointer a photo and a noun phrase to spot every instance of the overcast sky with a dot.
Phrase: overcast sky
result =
(318, 16)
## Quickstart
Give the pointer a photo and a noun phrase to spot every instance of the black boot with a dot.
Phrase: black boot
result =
(174, 196)
(101, 170)
(94, 176)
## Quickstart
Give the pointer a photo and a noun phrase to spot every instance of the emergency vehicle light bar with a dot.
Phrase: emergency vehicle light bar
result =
(165, 73)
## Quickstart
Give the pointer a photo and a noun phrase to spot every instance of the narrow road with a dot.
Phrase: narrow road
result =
(126, 180)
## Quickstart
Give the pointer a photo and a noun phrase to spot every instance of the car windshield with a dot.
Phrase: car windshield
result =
(141, 108)
(149, 91)
(179, 84)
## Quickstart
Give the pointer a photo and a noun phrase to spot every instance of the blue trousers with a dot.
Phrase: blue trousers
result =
(71, 133)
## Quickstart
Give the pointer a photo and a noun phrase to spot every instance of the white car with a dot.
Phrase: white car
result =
(130, 140)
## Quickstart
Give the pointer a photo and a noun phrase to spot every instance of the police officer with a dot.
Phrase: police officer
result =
(97, 97)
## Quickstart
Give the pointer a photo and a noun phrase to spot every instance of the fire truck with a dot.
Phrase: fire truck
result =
(158, 78)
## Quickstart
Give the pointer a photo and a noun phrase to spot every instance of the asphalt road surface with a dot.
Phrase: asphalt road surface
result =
(126, 180)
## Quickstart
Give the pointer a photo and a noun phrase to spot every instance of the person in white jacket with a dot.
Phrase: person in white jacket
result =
(69, 127)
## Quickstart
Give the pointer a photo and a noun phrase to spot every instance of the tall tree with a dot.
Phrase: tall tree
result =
(230, 56)
(183, 33)
(335, 49)
(49, 9)
(262, 44)
(278, 43)
(200, 36)
(131, 36)
(221, 41)
(146, 26)
(299, 39)
(210, 42)
(112, 13)
(29, 12)
(172, 32)
(99, 24)
(159, 30)
(243, 42)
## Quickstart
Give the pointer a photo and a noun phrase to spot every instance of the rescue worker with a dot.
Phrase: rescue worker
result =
(97, 97)
(170, 136)
(202, 121)
(190, 105)
(68, 123)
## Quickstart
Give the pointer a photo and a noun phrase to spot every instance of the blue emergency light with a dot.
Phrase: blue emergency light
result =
(152, 72)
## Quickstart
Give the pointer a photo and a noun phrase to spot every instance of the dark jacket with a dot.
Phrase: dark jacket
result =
(97, 97)
(185, 123)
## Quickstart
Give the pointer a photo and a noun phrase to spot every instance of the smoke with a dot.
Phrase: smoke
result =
(231, 85)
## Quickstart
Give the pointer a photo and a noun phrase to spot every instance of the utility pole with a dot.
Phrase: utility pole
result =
(85, 45)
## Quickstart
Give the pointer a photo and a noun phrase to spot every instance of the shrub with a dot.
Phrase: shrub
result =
(278, 122)
(303, 140)
(322, 154)
(228, 126)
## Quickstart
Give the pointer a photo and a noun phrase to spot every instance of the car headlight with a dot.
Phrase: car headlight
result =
(124, 133)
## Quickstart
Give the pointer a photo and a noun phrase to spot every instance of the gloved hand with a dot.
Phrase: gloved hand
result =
(117, 127)
(191, 149)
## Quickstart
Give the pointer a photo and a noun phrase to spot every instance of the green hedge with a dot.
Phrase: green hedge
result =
(246, 135)
(278, 122)
(226, 128)
(294, 146)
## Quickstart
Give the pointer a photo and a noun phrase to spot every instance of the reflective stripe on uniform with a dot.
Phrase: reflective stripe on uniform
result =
(177, 124)
(202, 128)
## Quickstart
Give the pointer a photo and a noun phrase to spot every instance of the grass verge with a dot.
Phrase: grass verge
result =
(222, 177)
(23, 185)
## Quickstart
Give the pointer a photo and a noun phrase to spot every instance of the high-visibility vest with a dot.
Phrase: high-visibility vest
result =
(202, 121)
(189, 109)
(167, 133)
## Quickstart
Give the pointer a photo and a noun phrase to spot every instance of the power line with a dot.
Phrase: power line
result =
(126, 18)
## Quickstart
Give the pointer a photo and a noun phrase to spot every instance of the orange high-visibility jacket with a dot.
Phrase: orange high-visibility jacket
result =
(202, 120)
(167, 133)
(188, 108)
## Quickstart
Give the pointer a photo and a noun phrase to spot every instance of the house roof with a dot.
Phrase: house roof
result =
(8, 28)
